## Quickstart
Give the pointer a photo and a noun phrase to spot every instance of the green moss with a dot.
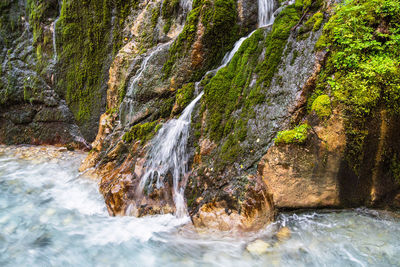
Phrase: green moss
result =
(232, 82)
(313, 23)
(275, 43)
(166, 107)
(84, 44)
(322, 106)
(229, 84)
(155, 14)
(219, 18)
(295, 55)
(143, 132)
(296, 136)
(169, 8)
(184, 96)
(362, 69)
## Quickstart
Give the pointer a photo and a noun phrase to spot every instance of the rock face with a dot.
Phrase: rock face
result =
(347, 158)
(31, 112)
(317, 173)
(222, 188)
(307, 176)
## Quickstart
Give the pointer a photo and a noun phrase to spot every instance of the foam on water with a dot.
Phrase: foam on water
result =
(50, 215)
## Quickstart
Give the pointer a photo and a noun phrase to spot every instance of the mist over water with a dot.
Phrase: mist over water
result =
(50, 215)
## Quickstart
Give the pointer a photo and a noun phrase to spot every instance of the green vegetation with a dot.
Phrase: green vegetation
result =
(313, 23)
(169, 8)
(184, 96)
(227, 120)
(85, 33)
(322, 106)
(362, 71)
(143, 132)
(363, 39)
(219, 19)
(296, 136)
(395, 168)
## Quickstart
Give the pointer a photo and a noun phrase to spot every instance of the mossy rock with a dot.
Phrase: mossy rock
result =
(143, 132)
(322, 106)
(296, 136)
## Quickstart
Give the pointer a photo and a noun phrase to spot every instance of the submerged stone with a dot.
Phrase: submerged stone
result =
(258, 247)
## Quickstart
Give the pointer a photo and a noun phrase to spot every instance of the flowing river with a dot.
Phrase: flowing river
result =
(50, 215)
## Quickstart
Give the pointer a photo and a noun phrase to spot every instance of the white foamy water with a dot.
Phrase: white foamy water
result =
(54, 33)
(186, 4)
(52, 216)
(265, 12)
(168, 154)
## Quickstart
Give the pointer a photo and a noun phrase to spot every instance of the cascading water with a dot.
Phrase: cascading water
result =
(228, 57)
(265, 12)
(186, 4)
(143, 67)
(169, 154)
(127, 105)
(127, 108)
(54, 33)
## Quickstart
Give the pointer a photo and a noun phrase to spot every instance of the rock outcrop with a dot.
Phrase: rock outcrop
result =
(31, 112)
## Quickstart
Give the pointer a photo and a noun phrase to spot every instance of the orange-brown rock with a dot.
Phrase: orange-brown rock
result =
(320, 173)
(244, 206)
(307, 176)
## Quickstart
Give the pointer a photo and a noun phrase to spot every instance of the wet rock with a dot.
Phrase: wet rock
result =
(283, 234)
(60, 114)
(242, 206)
(307, 176)
(23, 116)
(248, 13)
(396, 202)
(258, 247)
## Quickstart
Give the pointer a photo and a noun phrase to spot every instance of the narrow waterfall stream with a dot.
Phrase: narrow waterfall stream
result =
(265, 12)
(50, 215)
(55, 33)
(168, 152)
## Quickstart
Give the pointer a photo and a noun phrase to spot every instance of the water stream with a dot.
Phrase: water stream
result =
(50, 215)
(168, 152)
(265, 12)
(55, 33)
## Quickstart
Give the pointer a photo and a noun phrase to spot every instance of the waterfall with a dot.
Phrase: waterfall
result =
(265, 12)
(228, 57)
(168, 154)
(186, 5)
(143, 67)
(54, 33)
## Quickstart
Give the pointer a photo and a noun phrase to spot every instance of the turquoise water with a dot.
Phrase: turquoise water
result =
(52, 216)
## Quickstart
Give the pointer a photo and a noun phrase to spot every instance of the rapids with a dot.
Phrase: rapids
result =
(51, 215)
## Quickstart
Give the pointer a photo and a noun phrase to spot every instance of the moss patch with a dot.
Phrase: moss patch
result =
(322, 106)
(362, 71)
(143, 132)
(85, 42)
(184, 96)
(219, 18)
(296, 136)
